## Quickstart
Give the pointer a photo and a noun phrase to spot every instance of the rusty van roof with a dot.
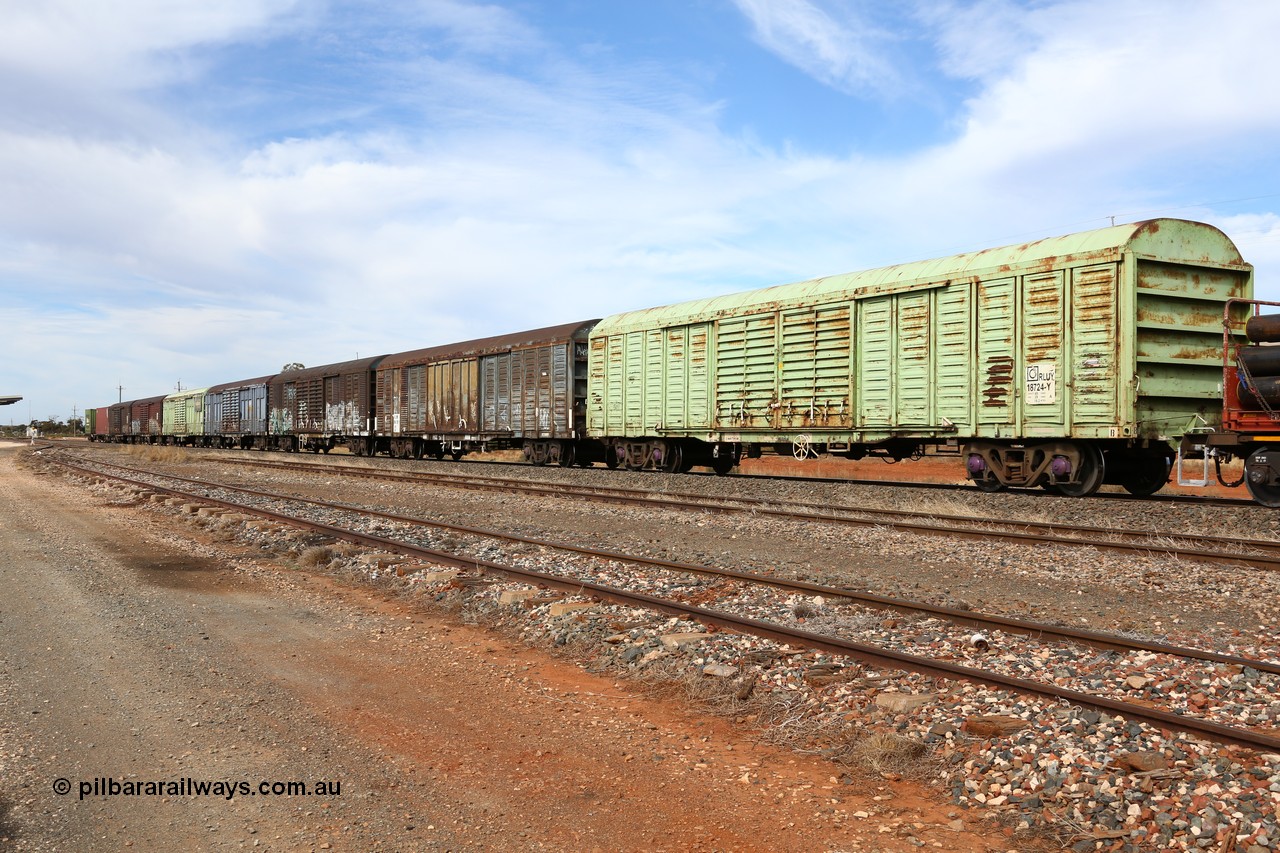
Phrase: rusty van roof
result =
(1175, 240)
(485, 346)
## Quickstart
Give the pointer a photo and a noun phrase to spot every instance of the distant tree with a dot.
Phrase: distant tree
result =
(293, 365)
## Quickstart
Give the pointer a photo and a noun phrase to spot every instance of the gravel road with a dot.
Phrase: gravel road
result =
(152, 656)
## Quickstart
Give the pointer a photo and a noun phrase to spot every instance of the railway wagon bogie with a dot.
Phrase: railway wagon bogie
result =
(1073, 468)
(1065, 363)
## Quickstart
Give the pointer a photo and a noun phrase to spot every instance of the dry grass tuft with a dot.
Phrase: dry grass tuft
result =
(317, 556)
(157, 453)
(788, 721)
(346, 549)
(886, 752)
(674, 679)
(804, 609)
(498, 456)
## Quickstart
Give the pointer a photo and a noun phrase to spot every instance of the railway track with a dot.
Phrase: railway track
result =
(964, 489)
(868, 654)
(1261, 554)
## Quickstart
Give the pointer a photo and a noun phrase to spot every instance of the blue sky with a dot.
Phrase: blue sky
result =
(200, 192)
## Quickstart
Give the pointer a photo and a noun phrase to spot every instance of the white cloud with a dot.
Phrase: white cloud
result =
(980, 40)
(477, 28)
(835, 45)
(1154, 79)
(503, 199)
(121, 45)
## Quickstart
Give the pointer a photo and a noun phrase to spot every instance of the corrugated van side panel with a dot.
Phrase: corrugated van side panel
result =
(538, 389)
(213, 402)
(597, 385)
(698, 414)
(385, 399)
(495, 390)
(633, 415)
(655, 378)
(455, 401)
(1179, 342)
(412, 402)
(175, 416)
(253, 409)
(616, 386)
(914, 372)
(675, 395)
(997, 323)
(1045, 373)
(815, 374)
(875, 362)
(561, 390)
(731, 373)
(797, 365)
(117, 419)
(746, 370)
(954, 384)
(194, 406)
(1095, 355)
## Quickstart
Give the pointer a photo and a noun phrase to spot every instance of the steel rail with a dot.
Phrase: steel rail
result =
(1027, 491)
(889, 518)
(968, 618)
(873, 655)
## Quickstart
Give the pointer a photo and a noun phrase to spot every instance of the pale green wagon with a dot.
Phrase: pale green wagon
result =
(184, 417)
(1065, 362)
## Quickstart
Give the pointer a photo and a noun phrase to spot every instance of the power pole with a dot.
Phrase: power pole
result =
(120, 393)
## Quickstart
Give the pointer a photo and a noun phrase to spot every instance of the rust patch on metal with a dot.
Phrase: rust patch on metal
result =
(999, 381)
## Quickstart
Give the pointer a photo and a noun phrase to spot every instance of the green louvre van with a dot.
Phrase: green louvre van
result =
(1065, 362)
(184, 417)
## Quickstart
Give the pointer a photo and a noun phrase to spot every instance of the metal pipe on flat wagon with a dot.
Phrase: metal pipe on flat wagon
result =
(1263, 328)
(1264, 389)
(1261, 361)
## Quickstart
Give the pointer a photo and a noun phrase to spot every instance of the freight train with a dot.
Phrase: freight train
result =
(1064, 363)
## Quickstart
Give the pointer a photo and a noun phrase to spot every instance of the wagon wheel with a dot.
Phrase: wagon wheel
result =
(674, 460)
(566, 455)
(1262, 493)
(455, 454)
(802, 447)
(1149, 475)
(722, 463)
(1092, 469)
(990, 484)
